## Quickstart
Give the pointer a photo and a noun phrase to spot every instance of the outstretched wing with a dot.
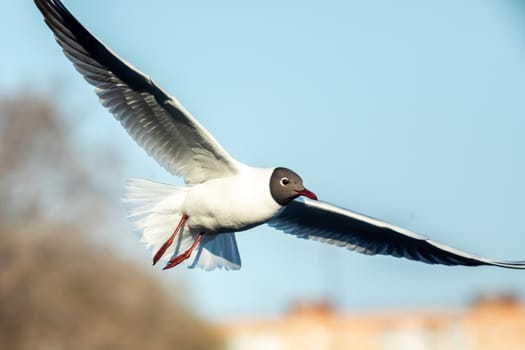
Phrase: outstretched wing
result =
(330, 224)
(157, 121)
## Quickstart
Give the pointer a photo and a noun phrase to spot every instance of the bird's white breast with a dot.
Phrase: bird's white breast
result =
(230, 204)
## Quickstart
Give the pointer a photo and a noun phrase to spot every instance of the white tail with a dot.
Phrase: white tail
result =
(155, 210)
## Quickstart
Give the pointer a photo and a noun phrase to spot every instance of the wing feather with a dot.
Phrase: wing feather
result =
(330, 224)
(155, 120)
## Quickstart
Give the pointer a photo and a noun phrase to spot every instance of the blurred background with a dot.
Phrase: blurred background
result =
(409, 112)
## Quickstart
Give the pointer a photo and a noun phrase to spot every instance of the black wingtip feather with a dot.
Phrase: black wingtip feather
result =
(55, 12)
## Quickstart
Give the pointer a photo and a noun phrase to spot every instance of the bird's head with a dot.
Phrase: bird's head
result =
(286, 185)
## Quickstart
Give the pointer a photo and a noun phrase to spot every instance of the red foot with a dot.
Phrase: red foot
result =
(169, 242)
(180, 258)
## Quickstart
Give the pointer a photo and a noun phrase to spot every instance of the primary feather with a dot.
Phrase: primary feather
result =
(154, 119)
(327, 223)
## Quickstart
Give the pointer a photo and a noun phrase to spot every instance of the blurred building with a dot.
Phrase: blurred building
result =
(491, 322)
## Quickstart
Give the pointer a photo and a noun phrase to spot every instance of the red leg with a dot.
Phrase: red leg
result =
(180, 258)
(169, 242)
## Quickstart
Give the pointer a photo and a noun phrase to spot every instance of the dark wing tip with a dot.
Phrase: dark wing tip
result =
(519, 265)
(62, 22)
(54, 11)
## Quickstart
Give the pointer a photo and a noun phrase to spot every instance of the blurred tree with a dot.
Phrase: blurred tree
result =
(58, 289)
(42, 171)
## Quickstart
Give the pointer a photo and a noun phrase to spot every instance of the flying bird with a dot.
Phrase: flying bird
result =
(196, 224)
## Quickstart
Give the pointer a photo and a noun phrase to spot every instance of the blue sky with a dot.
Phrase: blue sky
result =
(412, 113)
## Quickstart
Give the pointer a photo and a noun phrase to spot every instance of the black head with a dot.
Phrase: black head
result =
(286, 185)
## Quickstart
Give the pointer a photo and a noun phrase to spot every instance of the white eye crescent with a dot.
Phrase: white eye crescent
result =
(284, 181)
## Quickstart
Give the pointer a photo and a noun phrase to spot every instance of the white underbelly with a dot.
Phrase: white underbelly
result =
(230, 204)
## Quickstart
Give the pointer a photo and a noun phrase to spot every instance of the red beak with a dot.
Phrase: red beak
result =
(307, 193)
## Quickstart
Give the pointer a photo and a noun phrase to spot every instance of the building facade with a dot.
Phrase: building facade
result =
(491, 323)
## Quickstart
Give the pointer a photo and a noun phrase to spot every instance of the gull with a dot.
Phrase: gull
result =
(196, 224)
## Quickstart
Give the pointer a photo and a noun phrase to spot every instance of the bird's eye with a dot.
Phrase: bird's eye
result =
(284, 181)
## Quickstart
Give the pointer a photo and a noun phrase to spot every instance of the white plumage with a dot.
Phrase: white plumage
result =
(155, 208)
